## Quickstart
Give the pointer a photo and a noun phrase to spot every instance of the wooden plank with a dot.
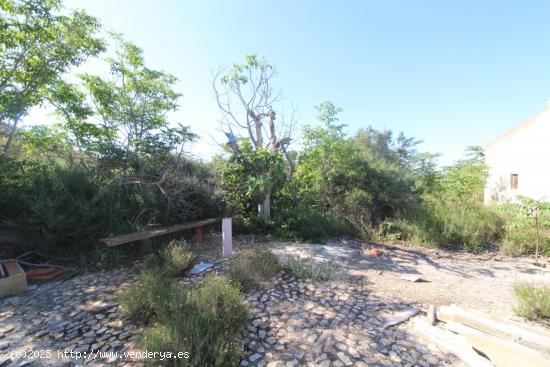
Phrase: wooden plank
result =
(505, 329)
(133, 237)
(503, 353)
(452, 343)
(401, 317)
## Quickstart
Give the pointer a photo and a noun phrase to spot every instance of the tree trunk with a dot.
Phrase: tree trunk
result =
(264, 208)
(13, 129)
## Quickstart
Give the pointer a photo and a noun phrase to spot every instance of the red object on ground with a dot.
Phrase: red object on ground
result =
(42, 275)
(374, 252)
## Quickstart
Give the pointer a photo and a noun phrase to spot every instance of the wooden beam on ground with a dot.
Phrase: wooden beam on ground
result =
(401, 317)
(452, 343)
(503, 353)
(134, 237)
(505, 329)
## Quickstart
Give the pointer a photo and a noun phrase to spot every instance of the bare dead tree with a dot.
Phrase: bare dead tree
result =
(246, 99)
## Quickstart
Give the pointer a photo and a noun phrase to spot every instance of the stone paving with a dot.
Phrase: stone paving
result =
(79, 315)
(299, 323)
(293, 323)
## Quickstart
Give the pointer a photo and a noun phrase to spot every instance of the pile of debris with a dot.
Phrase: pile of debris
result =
(484, 340)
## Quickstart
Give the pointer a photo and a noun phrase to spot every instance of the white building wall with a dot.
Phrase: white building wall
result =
(524, 151)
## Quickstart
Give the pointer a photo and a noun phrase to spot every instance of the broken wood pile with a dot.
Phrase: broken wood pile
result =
(484, 340)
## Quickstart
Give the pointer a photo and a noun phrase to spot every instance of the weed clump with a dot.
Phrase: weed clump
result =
(533, 301)
(203, 322)
(176, 259)
(302, 269)
(252, 267)
(150, 294)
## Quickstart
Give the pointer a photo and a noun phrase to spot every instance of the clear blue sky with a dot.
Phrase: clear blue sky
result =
(452, 73)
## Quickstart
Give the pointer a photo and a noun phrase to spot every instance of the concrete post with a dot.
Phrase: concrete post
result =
(227, 243)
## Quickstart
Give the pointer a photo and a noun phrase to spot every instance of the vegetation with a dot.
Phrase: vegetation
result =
(252, 267)
(528, 227)
(146, 299)
(303, 269)
(114, 162)
(533, 301)
(176, 259)
(204, 321)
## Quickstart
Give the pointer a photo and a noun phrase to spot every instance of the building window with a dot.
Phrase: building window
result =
(514, 181)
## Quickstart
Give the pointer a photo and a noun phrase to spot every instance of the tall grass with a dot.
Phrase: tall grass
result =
(252, 267)
(145, 299)
(533, 301)
(176, 259)
(303, 269)
(471, 226)
(204, 322)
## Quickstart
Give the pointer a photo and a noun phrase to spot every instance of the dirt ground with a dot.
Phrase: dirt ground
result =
(482, 282)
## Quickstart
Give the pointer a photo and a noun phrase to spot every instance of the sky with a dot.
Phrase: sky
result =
(451, 73)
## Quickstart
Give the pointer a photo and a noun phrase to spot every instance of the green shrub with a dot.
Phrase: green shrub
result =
(150, 295)
(203, 322)
(302, 269)
(523, 220)
(62, 209)
(176, 259)
(252, 267)
(533, 301)
(438, 224)
(522, 241)
(306, 224)
(418, 231)
(470, 225)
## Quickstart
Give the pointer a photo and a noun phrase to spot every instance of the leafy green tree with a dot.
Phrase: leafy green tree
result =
(38, 45)
(249, 175)
(381, 144)
(322, 145)
(340, 175)
(132, 107)
(464, 181)
(45, 142)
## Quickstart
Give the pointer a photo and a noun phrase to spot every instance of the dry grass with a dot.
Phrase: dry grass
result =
(252, 267)
(301, 268)
(533, 301)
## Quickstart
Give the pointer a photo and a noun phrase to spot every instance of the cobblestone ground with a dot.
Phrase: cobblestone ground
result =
(293, 323)
(79, 315)
(299, 323)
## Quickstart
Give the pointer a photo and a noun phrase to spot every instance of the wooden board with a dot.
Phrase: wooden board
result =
(453, 343)
(133, 237)
(15, 282)
(503, 353)
(505, 329)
